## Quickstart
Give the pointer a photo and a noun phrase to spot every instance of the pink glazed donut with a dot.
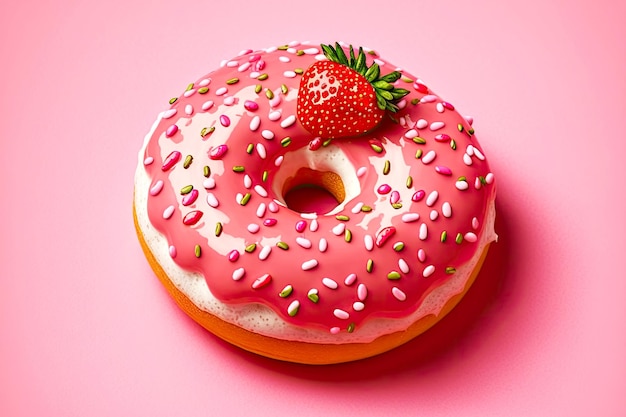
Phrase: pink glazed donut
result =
(308, 244)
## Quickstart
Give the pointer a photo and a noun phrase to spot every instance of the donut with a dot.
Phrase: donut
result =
(313, 203)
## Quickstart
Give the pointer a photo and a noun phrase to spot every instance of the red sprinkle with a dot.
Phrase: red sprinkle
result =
(250, 105)
(261, 281)
(384, 189)
(315, 144)
(384, 235)
(418, 196)
(269, 222)
(171, 160)
(420, 87)
(192, 217)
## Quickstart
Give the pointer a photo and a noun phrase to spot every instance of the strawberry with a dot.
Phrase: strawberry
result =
(344, 97)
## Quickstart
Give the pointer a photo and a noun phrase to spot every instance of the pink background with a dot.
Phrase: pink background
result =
(87, 330)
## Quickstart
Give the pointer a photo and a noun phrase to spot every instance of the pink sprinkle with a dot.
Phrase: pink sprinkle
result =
(304, 242)
(395, 197)
(361, 292)
(447, 105)
(260, 211)
(384, 189)
(421, 255)
(335, 330)
(207, 105)
(314, 225)
(418, 196)
(410, 217)
(253, 228)
(238, 274)
(350, 279)
(250, 105)
(429, 157)
(310, 264)
(358, 306)
(432, 198)
(384, 234)
(254, 58)
(224, 120)
(192, 217)
(167, 213)
(428, 271)
(190, 198)
(330, 283)
(273, 207)
(229, 101)
(259, 65)
(315, 144)
(443, 170)
(275, 101)
(261, 281)
(173, 251)
(398, 294)
(233, 255)
(361, 171)
(221, 91)
(442, 137)
(470, 237)
(300, 226)
(323, 245)
(436, 125)
(475, 223)
(156, 188)
(148, 161)
(270, 222)
(255, 123)
(368, 240)
(171, 160)
(341, 314)
(218, 152)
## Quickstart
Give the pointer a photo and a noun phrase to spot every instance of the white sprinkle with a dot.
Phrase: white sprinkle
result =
(433, 215)
(167, 213)
(288, 121)
(207, 105)
(358, 306)
(273, 207)
(209, 183)
(204, 82)
(274, 115)
(446, 209)
(212, 200)
(410, 134)
(189, 109)
(247, 181)
(330, 283)
(467, 160)
(232, 64)
(255, 74)
(255, 123)
(323, 245)
(470, 150)
(308, 216)
(244, 66)
(238, 198)
(314, 225)
(428, 98)
(421, 124)
(361, 292)
(403, 265)
(156, 188)
(428, 271)
(260, 210)
(489, 178)
(238, 273)
(304, 242)
(293, 307)
(398, 293)
(410, 217)
(253, 228)
(289, 74)
(311, 51)
(421, 255)
(429, 157)
(361, 171)
(279, 160)
(267, 134)
(221, 91)
(423, 233)
(357, 208)
(479, 154)
(260, 190)
(339, 229)
(341, 314)
(265, 252)
(229, 101)
(436, 125)
(275, 101)
(310, 264)
(149, 160)
(369, 242)
(189, 93)
(470, 237)
(440, 107)
(283, 58)
(350, 279)
(432, 198)
(477, 183)
(461, 185)
(169, 113)
(260, 149)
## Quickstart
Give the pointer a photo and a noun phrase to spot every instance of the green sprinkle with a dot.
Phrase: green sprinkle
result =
(406, 79)
(285, 142)
(219, 227)
(250, 248)
(326, 142)
(239, 168)
(283, 48)
(232, 81)
(482, 179)
(415, 101)
(313, 297)
(186, 189)
(453, 144)
(262, 77)
(409, 181)
(462, 178)
(398, 246)
(459, 238)
(393, 275)
(245, 199)
(188, 161)
(286, 292)
(189, 87)
(347, 236)
(397, 205)
(418, 154)
(207, 131)
(376, 148)
(450, 270)
(470, 131)
(206, 171)
(173, 100)
(284, 89)
(198, 251)
(342, 217)
(460, 127)
(250, 148)
(293, 311)
(299, 52)
(386, 167)
(419, 141)
(366, 209)
(282, 245)
(203, 90)
(444, 236)
(258, 88)
(298, 71)
(269, 94)
(370, 265)
(351, 327)
(264, 177)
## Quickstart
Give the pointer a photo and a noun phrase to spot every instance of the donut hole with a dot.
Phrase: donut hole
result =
(310, 191)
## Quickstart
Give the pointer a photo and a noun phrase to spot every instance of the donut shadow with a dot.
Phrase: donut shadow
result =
(435, 347)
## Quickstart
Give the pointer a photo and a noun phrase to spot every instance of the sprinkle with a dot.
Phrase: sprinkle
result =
(261, 281)
(444, 236)
(192, 217)
(361, 292)
(386, 167)
(384, 235)
(432, 198)
(171, 131)
(148, 161)
(263, 76)
(286, 292)
(260, 190)
(293, 308)
(470, 237)
(258, 88)
(419, 153)
(428, 271)
(304, 242)
(398, 246)
(250, 105)
(253, 228)
(384, 189)
(173, 252)
(339, 229)
(219, 227)
(238, 274)
(418, 195)
(278, 161)
(310, 264)
(224, 120)
(334, 330)
(239, 168)
(260, 211)
(247, 181)
(479, 154)
(433, 215)
(169, 113)
(156, 188)
(342, 217)
(218, 152)
(475, 223)
(366, 209)
(244, 67)
(467, 160)
(461, 185)
(410, 134)
(273, 207)
(341, 314)
(421, 123)
(358, 306)
(288, 121)
(453, 144)
(190, 198)
(436, 125)
(244, 199)
(419, 141)
(369, 242)
(376, 147)
(171, 160)
(357, 208)
(350, 279)
(398, 294)
(429, 157)
(394, 275)
(255, 123)
(167, 213)
(270, 95)
(423, 233)
(443, 170)
(403, 265)
(410, 217)
(347, 236)
(207, 131)
(459, 238)
(232, 81)
(446, 209)
(323, 245)
(489, 178)
(233, 255)
(442, 137)
(275, 101)
(229, 101)
(285, 142)
(369, 266)
(221, 91)
(428, 98)
(395, 197)
(265, 252)
(267, 134)
(250, 248)
(207, 104)
(361, 171)
(313, 295)
(188, 161)
(330, 283)
(282, 245)
(409, 181)
(212, 200)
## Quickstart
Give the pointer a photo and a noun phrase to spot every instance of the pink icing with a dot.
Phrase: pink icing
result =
(428, 203)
